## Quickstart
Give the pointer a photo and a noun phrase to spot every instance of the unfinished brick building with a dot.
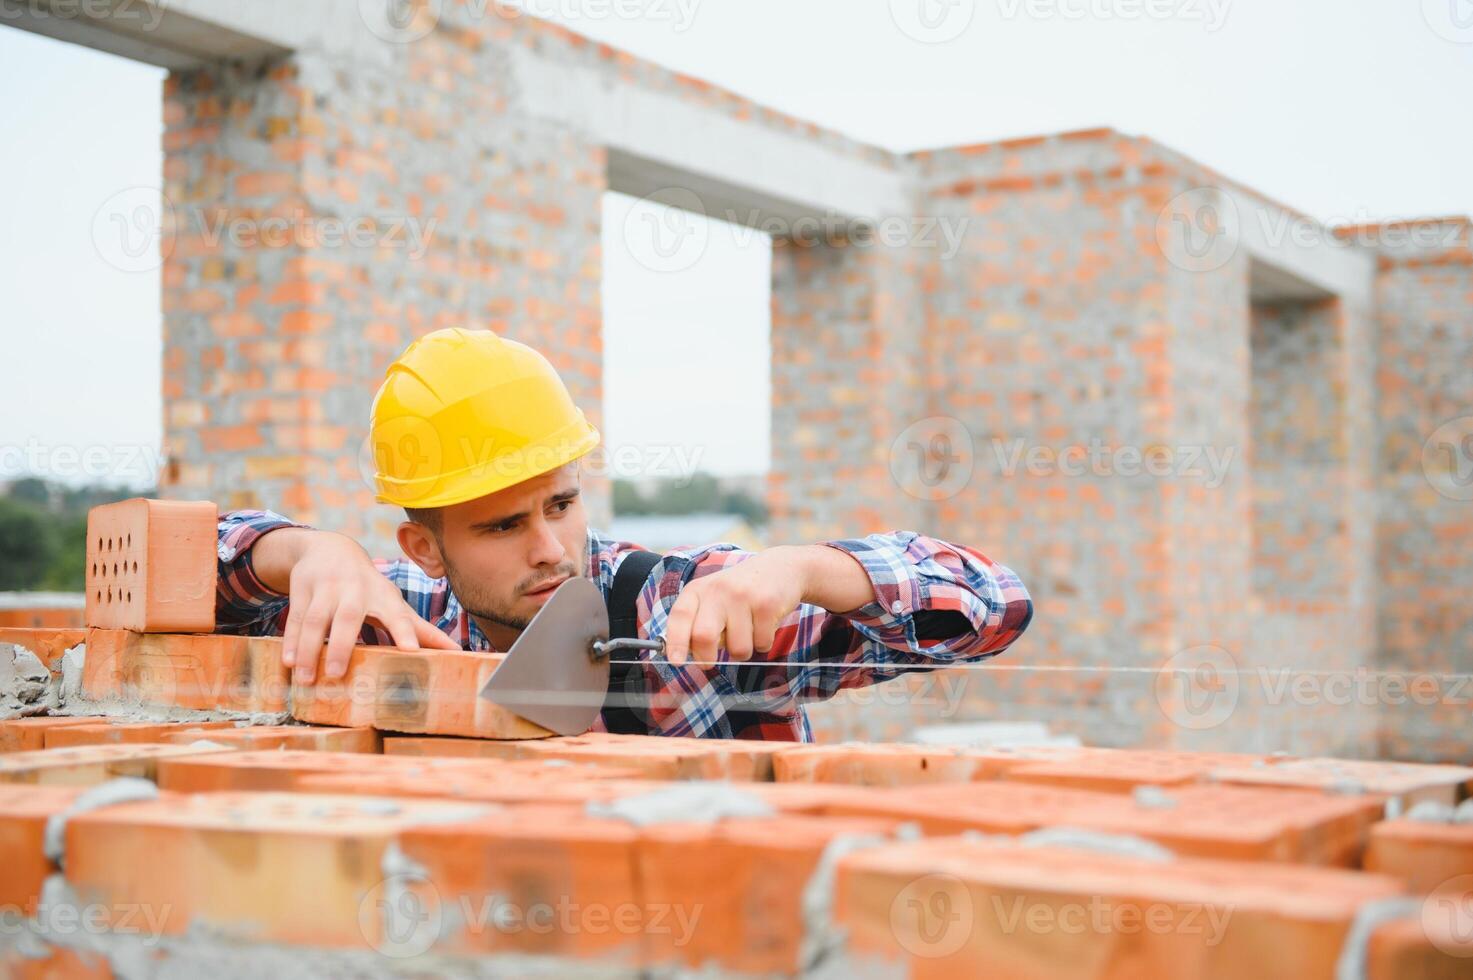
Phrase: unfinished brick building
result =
(1278, 416)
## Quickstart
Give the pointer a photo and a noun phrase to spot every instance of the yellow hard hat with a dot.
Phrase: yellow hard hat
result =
(465, 413)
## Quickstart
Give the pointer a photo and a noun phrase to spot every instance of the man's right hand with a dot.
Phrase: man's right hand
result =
(333, 587)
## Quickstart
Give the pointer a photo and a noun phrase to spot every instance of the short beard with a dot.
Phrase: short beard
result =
(482, 605)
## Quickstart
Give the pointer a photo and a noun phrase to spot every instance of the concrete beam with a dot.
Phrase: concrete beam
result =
(659, 141)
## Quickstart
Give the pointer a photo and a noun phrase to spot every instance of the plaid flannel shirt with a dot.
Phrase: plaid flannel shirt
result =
(983, 606)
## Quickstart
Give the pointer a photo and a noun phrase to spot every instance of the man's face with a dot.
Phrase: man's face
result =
(506, 553)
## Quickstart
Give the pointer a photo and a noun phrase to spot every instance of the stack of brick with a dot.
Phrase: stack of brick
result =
(395, 824)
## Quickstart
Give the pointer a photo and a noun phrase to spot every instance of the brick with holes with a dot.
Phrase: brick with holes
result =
(150, 566)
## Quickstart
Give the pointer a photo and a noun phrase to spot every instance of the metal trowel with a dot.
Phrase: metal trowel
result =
(557, 672)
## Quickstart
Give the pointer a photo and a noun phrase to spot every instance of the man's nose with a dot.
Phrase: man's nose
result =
(546, 548)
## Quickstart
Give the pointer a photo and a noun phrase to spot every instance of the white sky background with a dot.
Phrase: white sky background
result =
(1347, 109)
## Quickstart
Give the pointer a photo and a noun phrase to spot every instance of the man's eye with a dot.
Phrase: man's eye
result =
(563, 505)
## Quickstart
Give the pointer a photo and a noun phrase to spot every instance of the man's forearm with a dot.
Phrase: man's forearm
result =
(833, 579)
(277, 552)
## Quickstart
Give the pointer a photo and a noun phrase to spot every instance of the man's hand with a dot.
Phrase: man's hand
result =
(333, 587)
(740, 608)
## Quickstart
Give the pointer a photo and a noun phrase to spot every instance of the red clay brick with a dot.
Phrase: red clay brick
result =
(1436, 945)
(214, 673)
(91, 764)
(432, 693)
(893, 764)
(1421, 853)
(272, 867)
(566, 883)
(744, 895)
(29, 734)
(281, 769)
(120, 732)
(310, 738)
(151, 566)
(1121, 771)
(1250, 824)
(24, 811)
(1410, 782)
(954, 907)
(522, 782)
(655, 757)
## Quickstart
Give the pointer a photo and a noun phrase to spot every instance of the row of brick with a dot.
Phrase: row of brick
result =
(560, 880)
(1201, 820)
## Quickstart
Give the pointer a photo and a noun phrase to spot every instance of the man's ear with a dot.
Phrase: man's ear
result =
(419, 545)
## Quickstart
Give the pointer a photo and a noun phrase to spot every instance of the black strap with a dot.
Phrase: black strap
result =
(625, 709)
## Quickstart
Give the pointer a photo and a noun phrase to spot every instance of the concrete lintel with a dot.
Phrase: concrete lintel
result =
(153, 32)
(744, 164)
(1298, 258)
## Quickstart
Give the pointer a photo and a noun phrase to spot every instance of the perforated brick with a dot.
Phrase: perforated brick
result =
(239, 674)
(90, 764)
(151, 566)
(132, 733)
(314, 738)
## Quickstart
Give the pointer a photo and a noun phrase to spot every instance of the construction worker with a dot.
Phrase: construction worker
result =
(477, 438)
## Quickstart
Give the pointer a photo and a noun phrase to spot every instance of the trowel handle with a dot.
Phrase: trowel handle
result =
(602, 649)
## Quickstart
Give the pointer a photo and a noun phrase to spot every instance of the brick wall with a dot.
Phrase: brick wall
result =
(1425, 515)
(996, 394)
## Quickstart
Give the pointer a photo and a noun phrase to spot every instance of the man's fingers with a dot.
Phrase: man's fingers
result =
(739, 633)
(705, 632)
(677, 627)
(315, 622)
(401, 628)
(430, 636)
(764, 632)
(291, 635)
(347, 624)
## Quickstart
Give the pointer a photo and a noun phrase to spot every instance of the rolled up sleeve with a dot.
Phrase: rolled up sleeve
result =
(243, 603)
(937, 601)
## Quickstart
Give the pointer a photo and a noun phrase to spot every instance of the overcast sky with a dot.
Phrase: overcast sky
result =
(1348, 109)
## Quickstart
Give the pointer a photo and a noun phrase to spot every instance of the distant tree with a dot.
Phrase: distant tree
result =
(31, 490)
(27, 545)
(67, 571)
(43, 532)
(700, 493)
